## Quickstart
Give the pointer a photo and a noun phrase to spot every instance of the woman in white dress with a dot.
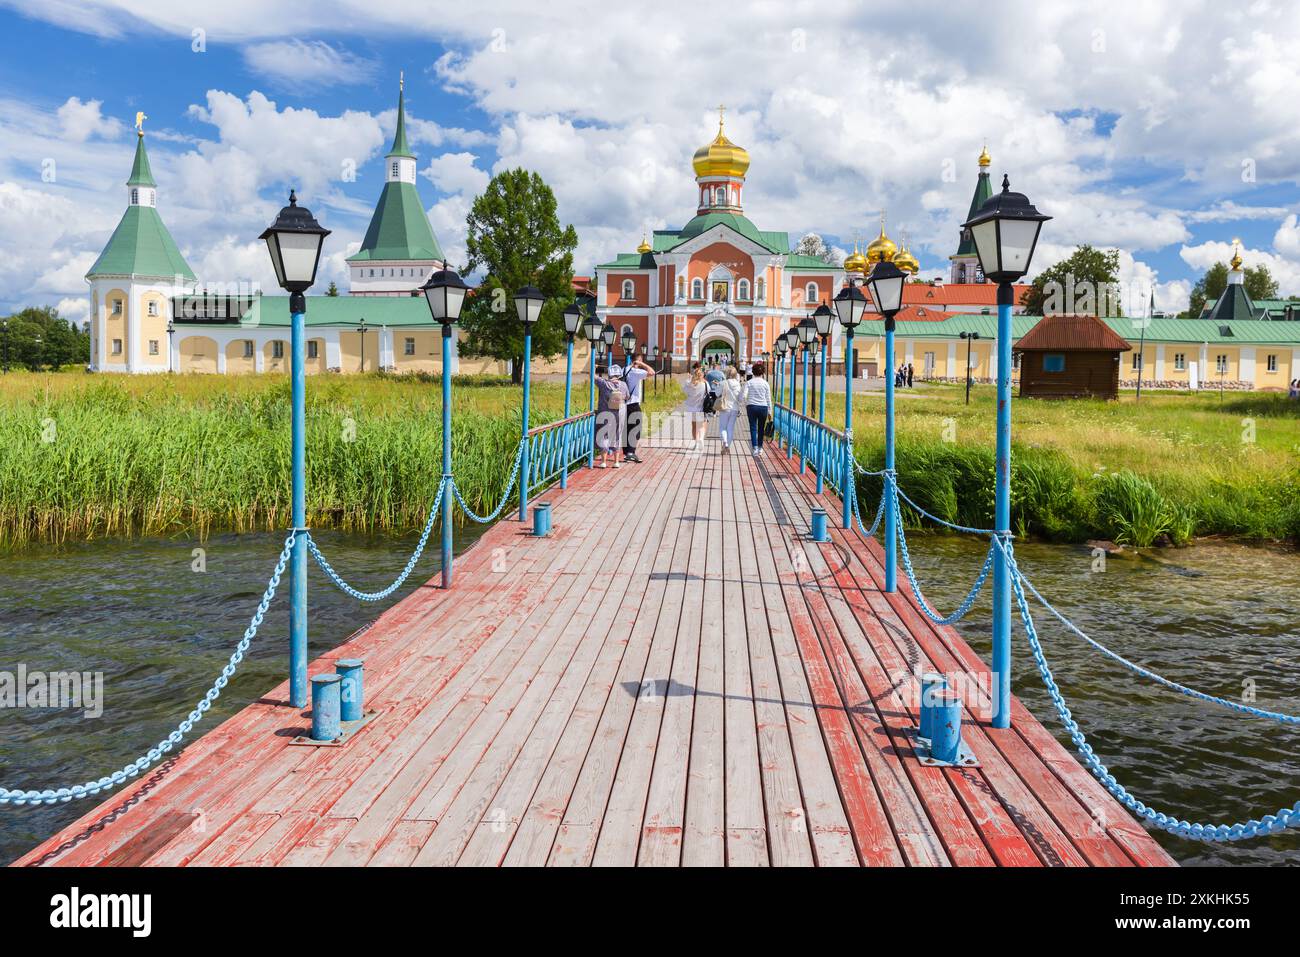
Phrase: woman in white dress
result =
(729, 406)
(695, 389)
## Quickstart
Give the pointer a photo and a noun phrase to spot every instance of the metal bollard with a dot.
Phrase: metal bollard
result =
(352, 693)
(541, 519)
(819, 533)
(931, 682)
(945, 726)
(325, 707)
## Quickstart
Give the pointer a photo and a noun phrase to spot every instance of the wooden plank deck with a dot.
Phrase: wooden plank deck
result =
(677, 676)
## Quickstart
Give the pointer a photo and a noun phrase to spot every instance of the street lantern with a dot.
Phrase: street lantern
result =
(815, 348)
(886, 285)
(528, 304)
(295, 240)
(445, 294)
(824, 317)
(969, 338)
(781, 347)
(1005, 231)
(806, 330)
(572, 320)
(629, 342)
(592, 328)
(850, 306)
(792, 338)
(608, 334)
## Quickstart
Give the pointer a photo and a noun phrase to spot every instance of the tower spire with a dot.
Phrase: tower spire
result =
(400, 145)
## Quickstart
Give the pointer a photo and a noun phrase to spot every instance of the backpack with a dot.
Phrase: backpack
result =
(710, 401)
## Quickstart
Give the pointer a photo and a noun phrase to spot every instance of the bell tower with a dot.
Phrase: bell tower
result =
(720, 168)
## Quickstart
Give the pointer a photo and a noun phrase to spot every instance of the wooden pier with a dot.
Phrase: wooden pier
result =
(676, 676)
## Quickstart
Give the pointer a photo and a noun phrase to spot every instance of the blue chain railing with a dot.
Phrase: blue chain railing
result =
(1268, 824)
(557, 446)
(405, 573)
(505, 498)
(154, 754)
(891, 490)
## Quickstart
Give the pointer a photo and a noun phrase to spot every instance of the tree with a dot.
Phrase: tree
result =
(515, 237)
(38, 337)
(1259, 283)
(1084, 283)
(333, 290)
(813, 245)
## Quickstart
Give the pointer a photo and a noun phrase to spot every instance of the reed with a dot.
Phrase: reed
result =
(88, 456)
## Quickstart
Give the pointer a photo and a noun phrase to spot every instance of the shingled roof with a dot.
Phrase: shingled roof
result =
(1071, 334)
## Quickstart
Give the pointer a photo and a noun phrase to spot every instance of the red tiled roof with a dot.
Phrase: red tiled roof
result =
(966, 293)
(924, 313)
(1071, 334)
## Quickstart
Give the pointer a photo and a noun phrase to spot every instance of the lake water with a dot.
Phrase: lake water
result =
(1221, 617)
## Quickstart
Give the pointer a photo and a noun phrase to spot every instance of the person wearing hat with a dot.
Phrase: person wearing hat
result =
(611, 413)
(633, 376)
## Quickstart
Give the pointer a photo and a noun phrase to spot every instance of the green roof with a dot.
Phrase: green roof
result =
(776, 242)
(378, 311)
(630, 261)
(1270, 308)
(141, 175)
(141, 246)
(802, 262)
(399, 228)
(1234, 305)
(400, 145)
(1246, 332)
(983, 190)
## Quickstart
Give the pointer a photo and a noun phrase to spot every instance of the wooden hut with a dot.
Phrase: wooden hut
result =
(1070, 356)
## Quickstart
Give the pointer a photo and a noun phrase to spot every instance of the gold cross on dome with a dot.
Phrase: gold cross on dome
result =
(721, 110)
(139, 121)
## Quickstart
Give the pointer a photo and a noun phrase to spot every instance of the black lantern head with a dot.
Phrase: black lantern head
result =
(1005, 231)
(294, 241)
(824, 316)
(445, 293)
(886, 285)
(608, 334)
(806, 330)
(850, 306)
(528, 304)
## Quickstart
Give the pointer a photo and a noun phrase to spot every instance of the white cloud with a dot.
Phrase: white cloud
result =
(456, 173)
(301, 65)
(81, 121)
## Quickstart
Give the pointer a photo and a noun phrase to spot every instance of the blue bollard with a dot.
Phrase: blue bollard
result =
(325, 707)
(945, 727)
(819, 532)
(352, 693)
(541, 519)
(931, 682)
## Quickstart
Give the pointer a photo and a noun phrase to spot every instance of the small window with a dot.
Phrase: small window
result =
(1137, 361)
(810, 294)
(117, 347)
(248, 348)
(1054, 362)
(1221, 364)
(117, 307)
(408, 346)
(277, 349)
(313, 349)
(742, 289)
(152, 308)
(628, 289)
(153, 347)
(760, 290)
(1271, 364)
(397, 169)
(697, 288)
(135, 197)
(1180, 361)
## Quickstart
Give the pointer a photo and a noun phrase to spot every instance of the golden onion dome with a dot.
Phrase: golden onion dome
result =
(985, 159)
(644, 247)
(905, 261)
(856, 262)
(721, 157)
(882, 248)
(1236, 255)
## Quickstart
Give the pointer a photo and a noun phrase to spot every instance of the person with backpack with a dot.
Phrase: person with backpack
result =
(729, 406)
(633, 376)
(611, 411)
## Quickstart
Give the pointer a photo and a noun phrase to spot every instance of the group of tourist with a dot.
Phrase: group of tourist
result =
(619, 393)
(903, 375)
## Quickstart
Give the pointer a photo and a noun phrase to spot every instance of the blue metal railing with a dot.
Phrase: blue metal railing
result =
(557, 447)
(818, 445)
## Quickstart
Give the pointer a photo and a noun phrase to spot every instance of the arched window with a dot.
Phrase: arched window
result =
(135, 197)
(628, 289)
(681, 287)
(760, 290)
(721, 196)
(697, 288)
(810, 294)
(396, 169)
(742, 289)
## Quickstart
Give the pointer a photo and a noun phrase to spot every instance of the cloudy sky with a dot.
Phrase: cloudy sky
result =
(1163, 128)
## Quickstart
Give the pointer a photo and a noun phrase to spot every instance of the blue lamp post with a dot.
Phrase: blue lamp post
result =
(591, 330)
(445, 293)
(850, 307)
(1005, 231)
(806, 330)
(528, 304)
(792, 347)
(294, 241)
(572, 323)
(886, 285)
(778, 354)
(824, 317)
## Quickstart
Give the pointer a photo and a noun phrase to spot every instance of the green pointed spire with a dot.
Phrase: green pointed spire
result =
(400, 146)
(141, 175)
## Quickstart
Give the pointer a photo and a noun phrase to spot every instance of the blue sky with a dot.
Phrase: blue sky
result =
(1163, 129)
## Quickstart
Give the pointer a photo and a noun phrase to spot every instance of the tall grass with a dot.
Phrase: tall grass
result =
(85, 456)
